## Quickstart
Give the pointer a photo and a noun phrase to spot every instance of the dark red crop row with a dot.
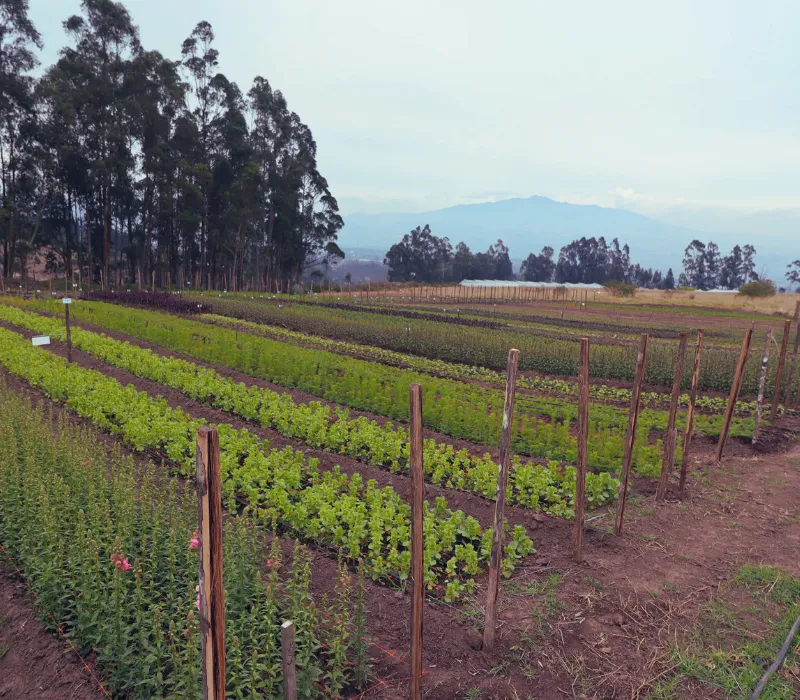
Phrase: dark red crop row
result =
(166, 301)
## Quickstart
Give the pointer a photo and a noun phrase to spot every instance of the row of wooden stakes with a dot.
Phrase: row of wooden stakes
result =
(212, 612)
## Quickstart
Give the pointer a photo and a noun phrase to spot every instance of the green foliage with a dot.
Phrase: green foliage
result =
(620, 289)
(342, 512)
(542, 348)
(758, 288)
(69, 510)
(542, 487)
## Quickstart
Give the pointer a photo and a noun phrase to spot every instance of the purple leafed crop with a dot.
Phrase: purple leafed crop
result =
(172, 303)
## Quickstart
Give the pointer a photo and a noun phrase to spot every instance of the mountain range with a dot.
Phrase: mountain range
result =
(527, 225)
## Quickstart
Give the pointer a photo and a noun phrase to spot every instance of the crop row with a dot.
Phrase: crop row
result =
(452, 370)
(167, 301)
(460, 410)
(474, 346)
(531, 485)
(542, 426)
(576, 321)
(358, 519)
(110, 557)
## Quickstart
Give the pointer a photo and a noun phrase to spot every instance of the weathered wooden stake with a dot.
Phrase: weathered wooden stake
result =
(787, 327)
(630, 436)
(583, 437)
(671, 438)
(687, 438)
(762, 382)
(417, 552)
(787, 397)
(490, 623)
(287, 654)
(736, 384)
(212, 595)
(69, 334)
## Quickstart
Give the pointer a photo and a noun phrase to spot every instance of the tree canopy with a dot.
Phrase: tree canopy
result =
(422, 256)
(127, 163)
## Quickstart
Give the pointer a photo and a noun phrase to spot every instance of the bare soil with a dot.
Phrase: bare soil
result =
(34, 663)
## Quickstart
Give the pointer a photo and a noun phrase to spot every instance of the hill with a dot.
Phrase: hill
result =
(526, 225)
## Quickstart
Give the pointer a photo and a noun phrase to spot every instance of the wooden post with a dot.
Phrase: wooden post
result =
(69, 334)
(787, 327)
(630, 436)
(152, 281)
(787, 396)
(671, 438)
(212, 595)
(735, 386)
(490, 621)
(417, 552)
(762, 381)
(287, 654)
(687, 438)
(583, 437)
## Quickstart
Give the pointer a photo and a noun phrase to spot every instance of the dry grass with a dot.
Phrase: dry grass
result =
(729, 301)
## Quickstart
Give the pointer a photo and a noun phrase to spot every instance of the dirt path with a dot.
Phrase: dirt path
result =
(35, 664)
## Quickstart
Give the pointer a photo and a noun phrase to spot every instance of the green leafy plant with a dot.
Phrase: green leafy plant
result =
(341, 512)
(107, 552)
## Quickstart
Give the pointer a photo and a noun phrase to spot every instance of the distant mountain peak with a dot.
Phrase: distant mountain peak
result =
(527, 224)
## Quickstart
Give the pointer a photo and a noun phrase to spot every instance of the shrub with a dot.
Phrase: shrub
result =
(620, 289)
(759, 288)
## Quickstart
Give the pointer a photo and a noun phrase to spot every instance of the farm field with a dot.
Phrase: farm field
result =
(309, 396)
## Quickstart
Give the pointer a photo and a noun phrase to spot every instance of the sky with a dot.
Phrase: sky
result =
(659, 107)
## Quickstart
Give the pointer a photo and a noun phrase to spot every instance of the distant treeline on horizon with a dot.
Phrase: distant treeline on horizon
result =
(422, 256)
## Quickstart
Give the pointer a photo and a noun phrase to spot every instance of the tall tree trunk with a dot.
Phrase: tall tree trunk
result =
(106, 234)
(90, 273)
(68, 242)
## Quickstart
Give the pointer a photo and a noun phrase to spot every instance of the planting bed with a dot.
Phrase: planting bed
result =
(666, 610)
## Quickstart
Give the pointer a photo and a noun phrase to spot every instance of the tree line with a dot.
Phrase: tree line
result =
(120, 162)
(421, 256)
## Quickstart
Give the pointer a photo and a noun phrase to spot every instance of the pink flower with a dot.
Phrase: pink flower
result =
(120, 562)
(194, 543)
(273, 563)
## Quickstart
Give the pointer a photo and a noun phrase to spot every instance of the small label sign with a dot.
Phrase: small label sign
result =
(41, 340)
(66, 300)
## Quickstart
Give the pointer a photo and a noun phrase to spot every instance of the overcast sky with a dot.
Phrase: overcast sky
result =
(423, 104)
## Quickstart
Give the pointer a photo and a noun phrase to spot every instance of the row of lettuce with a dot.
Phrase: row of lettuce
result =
(357, 519)
(108, 553)
(543, 427)
(549, 488)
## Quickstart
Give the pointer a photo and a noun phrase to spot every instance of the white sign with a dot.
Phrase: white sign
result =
(41, 340)
(67, 300)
